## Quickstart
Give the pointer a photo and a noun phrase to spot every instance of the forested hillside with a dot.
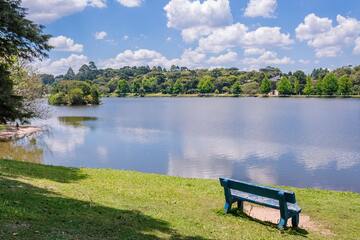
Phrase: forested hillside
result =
(181, 80)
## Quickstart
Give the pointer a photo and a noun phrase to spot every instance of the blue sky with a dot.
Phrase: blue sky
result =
(248, 34)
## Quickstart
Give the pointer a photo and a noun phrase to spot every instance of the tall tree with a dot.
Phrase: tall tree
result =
(284, 86)
(345, 85)
(308, 89)
(330, 85)
(265, 86)
(70, 75)
(206, 85)
(20, 38)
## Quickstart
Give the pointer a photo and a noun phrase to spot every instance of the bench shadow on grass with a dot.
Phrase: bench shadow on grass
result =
(289, 230)
(29, 212)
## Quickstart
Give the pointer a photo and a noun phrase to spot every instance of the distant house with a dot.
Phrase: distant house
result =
(274, 93)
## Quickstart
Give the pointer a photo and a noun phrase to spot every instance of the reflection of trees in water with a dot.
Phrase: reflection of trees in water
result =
(27, 152)
(75, 121)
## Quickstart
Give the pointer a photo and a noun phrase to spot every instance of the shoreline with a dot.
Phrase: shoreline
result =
(131, 95)
(12, 133)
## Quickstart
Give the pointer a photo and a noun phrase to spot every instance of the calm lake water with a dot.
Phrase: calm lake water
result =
(296, 142)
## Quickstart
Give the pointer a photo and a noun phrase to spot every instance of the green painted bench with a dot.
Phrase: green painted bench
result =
(240, 192)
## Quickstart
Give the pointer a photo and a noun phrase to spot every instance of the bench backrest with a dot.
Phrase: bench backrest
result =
(257, 190)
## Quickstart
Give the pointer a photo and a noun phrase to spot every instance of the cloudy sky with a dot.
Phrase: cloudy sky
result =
(247, 34)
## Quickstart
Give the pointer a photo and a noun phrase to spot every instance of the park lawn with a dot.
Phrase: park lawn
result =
(46, 202)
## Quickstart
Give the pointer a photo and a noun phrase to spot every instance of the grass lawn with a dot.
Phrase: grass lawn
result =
(45, 202)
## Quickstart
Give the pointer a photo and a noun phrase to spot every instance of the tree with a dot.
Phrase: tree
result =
(284, 86)
(236, 88)
(122, 87)
(308, 89)
(178, 87)
(70, 75)
(330, 85)
(20, 38)
(345, 85)
(265, 86)
(206, 85)
(75, 97)
(296, 87)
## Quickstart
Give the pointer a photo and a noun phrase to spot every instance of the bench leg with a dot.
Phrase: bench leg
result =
(282, 223)
(240, 205)
(227, 207)
(295, 220)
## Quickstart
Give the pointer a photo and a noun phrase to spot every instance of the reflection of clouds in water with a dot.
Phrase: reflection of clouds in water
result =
(262, 175)
(211, 157)
(314, 158)
(139, 135)
(65, 138)
(102, 153)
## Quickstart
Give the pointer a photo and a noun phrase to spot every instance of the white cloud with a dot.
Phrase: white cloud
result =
(125, 37)
(267, 58)
(196, 18)
(253, 51)
(42, 12)
(238, 35)
(60, 66)
(141, 57)
(326, 39)
(260, 8)
(65, 44)
(100, 35)
(130, 3)
(356, 49)
(224, 59)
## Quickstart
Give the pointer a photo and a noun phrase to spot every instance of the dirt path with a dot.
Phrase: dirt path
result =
(272, 215)
(12, 132)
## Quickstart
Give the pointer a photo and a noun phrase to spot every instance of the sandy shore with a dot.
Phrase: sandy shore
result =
(11, 132)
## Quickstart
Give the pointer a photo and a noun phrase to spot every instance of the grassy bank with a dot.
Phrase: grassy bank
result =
(44, 202)
(2, 127)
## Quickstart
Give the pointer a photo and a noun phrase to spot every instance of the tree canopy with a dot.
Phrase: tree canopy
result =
(20, 39)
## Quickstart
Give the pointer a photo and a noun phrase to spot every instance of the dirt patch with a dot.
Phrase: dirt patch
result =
(11, 132)
(272, 215)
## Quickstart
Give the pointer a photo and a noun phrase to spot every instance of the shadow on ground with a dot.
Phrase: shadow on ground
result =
(13, 169)
(289, 230)
(29, 212)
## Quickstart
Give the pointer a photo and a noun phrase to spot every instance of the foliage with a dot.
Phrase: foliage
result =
(296, 87)
(74, 93)
(206, 85)
(344, 85)
(309, 88)
(250, 88)
(19, 39)
(236, 88)
(284, 86)
(329, 84)
(265, 86)
(122, 87)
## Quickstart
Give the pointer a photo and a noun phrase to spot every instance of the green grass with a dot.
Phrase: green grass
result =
(45, 202)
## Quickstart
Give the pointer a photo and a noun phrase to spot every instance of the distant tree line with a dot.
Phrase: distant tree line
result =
(181, 80)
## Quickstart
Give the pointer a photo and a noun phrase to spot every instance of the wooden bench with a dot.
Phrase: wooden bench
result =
(240, 192)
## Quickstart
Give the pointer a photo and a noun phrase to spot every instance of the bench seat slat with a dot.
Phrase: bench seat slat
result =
(269, 202)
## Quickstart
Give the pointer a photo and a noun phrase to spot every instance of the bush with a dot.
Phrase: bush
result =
(75, 97)
(57, 99)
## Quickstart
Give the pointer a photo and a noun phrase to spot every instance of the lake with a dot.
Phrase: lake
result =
(285, 141)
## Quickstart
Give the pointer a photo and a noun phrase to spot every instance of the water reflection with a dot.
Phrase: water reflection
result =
(297, 142)
(23, 150)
